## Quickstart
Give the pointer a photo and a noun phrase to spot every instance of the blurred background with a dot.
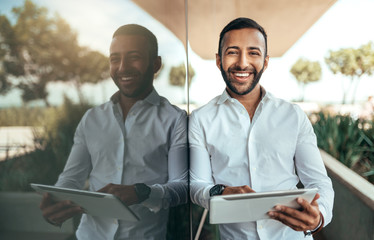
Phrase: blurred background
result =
(54, 66)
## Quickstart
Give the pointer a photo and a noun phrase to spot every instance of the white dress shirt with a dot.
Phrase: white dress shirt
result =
(226, 147)
(149, 147)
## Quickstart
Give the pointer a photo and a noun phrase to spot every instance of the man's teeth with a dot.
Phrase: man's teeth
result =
(242, 74)
(125, 78)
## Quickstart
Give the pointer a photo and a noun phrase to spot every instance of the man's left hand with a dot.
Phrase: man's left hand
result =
(299, 220)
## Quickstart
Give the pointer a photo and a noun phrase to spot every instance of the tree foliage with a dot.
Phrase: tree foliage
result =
(177, 75)
(306, 71)
(352, 63)
(39, 49)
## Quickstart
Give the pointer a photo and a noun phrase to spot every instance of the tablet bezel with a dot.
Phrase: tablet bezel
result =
(93, 203)
(254, 206)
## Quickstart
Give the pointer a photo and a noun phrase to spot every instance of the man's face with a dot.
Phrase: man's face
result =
(130, 66)
(242, 62)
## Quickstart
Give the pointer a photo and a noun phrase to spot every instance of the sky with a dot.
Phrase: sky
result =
(345, 24)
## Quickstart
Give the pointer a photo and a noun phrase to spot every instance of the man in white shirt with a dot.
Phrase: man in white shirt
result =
(134, 146)
(247, 140)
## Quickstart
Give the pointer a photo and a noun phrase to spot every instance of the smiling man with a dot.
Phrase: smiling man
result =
(247, 140)
(134, 147)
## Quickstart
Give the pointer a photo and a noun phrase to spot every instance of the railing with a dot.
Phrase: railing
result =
(353, 214)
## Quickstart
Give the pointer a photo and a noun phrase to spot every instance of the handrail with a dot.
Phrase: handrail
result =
(359, 186)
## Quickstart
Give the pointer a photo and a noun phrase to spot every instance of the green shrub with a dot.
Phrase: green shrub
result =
(178, 223)
(60, 131)
(23, 116)
(53, 147)
(38, 166)
(348, 140)
(367, 164)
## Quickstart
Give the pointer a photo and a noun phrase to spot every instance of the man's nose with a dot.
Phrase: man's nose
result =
(243, 61)
(123, 65)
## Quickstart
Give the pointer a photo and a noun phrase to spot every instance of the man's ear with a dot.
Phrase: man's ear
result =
(266, 62)
(218, 61)
(157, 62)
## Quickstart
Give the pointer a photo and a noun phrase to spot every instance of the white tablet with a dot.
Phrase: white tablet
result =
(253, 206)
(93, 203)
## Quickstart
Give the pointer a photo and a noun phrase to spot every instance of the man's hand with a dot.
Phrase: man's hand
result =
(58, 212)
(299, 220)
(236, 190)
(124, 192)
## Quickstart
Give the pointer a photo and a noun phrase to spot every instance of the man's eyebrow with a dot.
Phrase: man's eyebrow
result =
(114, 54)
(130, 52)
(232, 47)
(254, 48)
(248, 48)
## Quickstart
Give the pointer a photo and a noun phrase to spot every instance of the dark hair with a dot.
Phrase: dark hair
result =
(135, 29)
(241, 23)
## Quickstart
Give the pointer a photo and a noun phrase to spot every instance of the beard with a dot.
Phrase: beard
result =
(228, 80)
(143, 85)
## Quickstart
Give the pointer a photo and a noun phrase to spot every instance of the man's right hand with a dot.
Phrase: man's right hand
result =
(237, 190)
(58, 212)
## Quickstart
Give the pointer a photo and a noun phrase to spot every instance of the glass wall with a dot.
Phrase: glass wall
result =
(54, 58)
(63, 71)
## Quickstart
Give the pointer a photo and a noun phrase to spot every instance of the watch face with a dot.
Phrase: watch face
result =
(308, 233)
(216, 190)
(142, 191)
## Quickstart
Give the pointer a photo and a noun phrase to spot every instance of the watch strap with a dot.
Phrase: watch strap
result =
(142, 191)
(319, 228)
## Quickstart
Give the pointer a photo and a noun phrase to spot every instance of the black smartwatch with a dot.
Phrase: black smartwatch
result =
(217, 190)
(142, 191)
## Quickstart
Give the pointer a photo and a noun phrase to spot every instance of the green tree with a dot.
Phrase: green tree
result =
(352, 63)
(39, 49)
(177, 75)
(305, 72)
(6, 51)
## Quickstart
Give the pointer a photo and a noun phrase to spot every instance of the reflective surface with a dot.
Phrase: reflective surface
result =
(174, 30)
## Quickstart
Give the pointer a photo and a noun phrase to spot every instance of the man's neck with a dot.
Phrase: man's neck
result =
(250, 101)
(126, 103)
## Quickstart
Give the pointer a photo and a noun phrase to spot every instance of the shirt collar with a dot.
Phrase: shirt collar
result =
(225, 96)
(152, 98)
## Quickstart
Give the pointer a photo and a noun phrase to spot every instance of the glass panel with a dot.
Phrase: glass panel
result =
(63, 70)
(287, 49)
(206, 83)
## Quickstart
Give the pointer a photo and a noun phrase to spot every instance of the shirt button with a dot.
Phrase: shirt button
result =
(260, 227)
(115, 221)
(254, 169)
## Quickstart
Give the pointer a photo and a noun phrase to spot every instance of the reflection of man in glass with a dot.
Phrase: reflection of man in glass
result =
(133, 146)
(247, 140)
